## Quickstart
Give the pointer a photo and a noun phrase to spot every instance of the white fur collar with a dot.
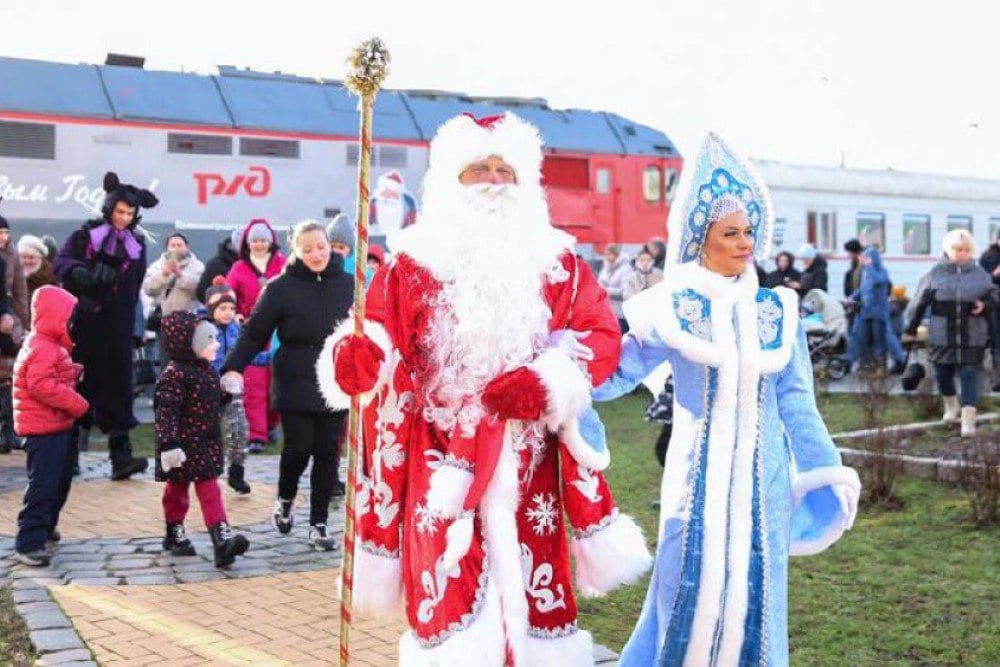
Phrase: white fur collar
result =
(681, 308)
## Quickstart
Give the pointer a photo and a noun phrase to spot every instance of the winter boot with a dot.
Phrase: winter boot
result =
(227, 544)
(237, 482)
(282, 518)
(256, 447)
(319, 538)
(950, 409)
(177, 542)
(123, 464)
(968, 421)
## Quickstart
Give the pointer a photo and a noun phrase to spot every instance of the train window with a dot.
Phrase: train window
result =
(652, 184)
(916, 234)
(670, 178)
(269, 147)
(28, 140)
(565, 172)
(994, 229)
(603, 180)
(199, 144)
(382, 156)
(871, 230)
(821, 229)
(960, 222)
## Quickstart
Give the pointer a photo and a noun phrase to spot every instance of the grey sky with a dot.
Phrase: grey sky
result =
(910, 85)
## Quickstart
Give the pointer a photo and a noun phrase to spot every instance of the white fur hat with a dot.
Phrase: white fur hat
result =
(465, 139)
(29, 243)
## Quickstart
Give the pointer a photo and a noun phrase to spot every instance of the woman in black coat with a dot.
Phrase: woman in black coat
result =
(304, 304)
(784, 273)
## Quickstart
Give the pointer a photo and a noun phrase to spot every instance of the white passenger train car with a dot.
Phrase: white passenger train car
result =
(904, 214)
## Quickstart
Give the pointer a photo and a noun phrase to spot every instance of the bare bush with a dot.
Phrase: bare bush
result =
(880, 471)
(979, 477)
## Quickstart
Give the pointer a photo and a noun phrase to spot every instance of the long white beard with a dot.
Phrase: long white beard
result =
(492, 315)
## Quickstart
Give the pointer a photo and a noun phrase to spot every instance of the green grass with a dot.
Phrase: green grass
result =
(916, 587)
(15, 647)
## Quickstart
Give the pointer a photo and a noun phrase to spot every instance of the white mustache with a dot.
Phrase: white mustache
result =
(490, 197)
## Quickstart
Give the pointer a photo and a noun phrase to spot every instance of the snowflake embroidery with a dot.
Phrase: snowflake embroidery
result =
(769, 312)
(557, 273)
(426, 521)
(543, 514)
(694, 313)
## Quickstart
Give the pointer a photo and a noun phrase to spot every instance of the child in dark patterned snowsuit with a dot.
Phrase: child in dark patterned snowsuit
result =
(188, 405)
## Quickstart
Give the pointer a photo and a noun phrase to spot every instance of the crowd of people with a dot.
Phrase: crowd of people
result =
(71, 319)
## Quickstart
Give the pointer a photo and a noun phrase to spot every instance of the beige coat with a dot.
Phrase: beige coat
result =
(174, 292)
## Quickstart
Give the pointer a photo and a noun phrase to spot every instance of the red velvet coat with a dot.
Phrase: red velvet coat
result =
(45, 396)
(511, 596)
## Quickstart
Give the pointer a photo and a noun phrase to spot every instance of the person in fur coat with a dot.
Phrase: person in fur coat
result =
(752, 476)
(483, 337)
(103, 264)
(187, 407)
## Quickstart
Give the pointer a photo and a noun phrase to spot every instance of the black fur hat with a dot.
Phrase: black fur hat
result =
(131, 195)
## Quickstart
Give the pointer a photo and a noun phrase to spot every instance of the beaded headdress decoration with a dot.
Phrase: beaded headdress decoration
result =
(716, 184)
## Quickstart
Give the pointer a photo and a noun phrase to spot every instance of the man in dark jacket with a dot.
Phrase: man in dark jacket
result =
(852, 279)
(103, 264)
(990, 261)
(814, 276)
(219, 265)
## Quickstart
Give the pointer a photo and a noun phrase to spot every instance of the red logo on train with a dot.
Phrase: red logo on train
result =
(256, 184)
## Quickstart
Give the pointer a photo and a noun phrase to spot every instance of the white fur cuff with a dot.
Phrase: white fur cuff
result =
(326, 374)
(447, 491)
(840, 477)
(567, 389)
(573, 649)
(610, 557)
(817, 478)
(378, 583)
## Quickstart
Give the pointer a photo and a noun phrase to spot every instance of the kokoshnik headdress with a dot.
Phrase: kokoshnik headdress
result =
(719, 182)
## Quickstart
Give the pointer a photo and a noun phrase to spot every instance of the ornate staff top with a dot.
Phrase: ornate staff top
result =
(367, 67)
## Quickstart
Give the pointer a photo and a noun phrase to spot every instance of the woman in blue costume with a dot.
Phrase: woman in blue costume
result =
(751, 474)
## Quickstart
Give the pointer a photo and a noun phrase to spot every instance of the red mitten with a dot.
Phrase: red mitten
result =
(356, 361)
(517, 394)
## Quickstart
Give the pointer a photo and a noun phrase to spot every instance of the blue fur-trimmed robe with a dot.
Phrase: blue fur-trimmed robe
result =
(749, 474)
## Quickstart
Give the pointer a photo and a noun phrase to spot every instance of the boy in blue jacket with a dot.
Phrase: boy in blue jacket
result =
(220, 308)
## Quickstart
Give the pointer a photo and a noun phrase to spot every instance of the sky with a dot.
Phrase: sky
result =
(896, 84)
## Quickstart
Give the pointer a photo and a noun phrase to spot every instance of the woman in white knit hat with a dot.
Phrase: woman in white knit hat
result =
(35, 260)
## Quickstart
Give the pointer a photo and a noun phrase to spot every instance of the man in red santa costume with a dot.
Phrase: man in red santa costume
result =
(482, 340)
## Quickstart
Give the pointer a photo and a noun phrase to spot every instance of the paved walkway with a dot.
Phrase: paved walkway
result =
(112, 596)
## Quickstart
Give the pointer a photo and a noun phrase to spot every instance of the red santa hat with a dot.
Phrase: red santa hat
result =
(466, 139)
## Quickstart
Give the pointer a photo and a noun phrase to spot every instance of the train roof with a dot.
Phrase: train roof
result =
(876, 182)
(245, 99)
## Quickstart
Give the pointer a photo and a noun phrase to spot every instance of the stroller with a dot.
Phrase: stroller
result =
(824, 322)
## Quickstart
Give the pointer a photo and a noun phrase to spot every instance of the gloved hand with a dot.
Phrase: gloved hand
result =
(83, 278)
(356, 363)
(172, 458)
(104, 273)
(517, 394)
(232, 383)
(568, 340)
(848, 505)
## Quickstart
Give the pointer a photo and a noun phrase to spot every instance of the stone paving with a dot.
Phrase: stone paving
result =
(112, 596)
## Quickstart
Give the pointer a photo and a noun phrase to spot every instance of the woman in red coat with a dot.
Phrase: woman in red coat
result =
(260, 260)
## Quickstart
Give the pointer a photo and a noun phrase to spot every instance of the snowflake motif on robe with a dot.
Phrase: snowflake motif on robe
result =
(693, 312)
(557, 273)
(542, 514)
(769, 312)
(427, 522)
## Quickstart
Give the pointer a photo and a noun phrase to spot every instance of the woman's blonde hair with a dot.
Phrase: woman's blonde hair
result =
(958, 238)
(300, 230)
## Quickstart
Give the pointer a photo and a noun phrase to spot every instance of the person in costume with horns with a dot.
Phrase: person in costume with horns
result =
(483, 338)
(751, 473)
(103, 264)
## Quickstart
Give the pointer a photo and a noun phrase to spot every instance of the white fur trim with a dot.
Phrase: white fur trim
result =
(817, 478)
(458, 539)
(481, 643)
(378, 583)
(569, 650)
(498, 512)
(460, 141)
(613, 556)
(567, 389)
(773, 361)
(448, 488)
(334, 396)
(584, 454)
